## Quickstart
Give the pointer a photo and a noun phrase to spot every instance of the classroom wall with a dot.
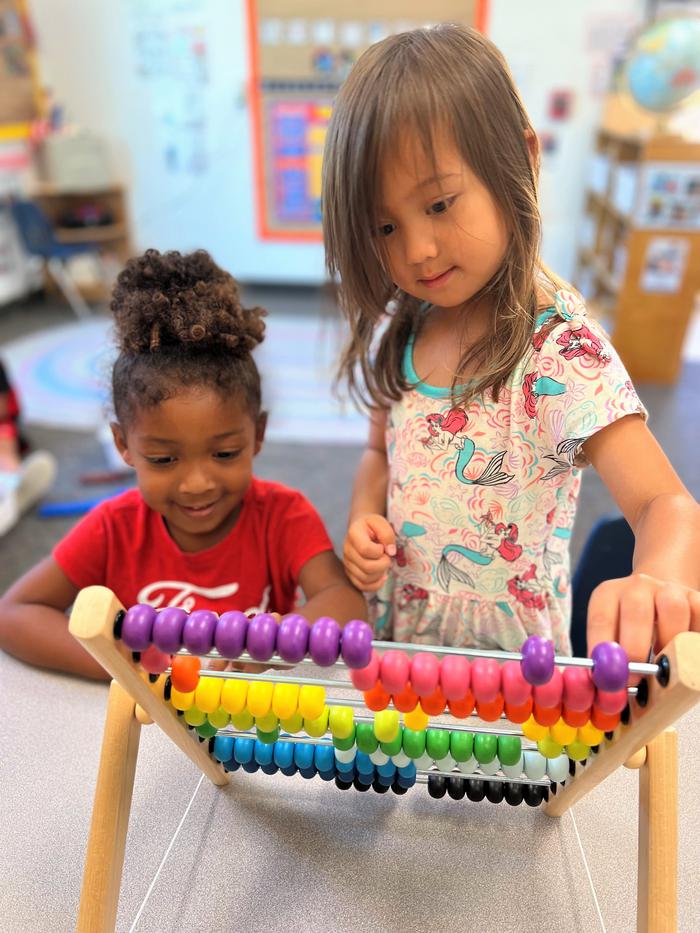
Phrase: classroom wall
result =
(89, 56)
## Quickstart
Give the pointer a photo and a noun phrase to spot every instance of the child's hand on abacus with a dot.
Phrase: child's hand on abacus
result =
(369, 547)
(640, 611)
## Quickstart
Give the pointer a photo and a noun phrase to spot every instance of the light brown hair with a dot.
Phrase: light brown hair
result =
(444, 76)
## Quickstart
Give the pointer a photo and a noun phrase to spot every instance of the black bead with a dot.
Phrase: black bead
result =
(572, 767)
(495, 791)
(663, 675)
(211, 745)
(167, 689)
(455, 787)
(514, 794)
(609, 736)
(152, 678)
(180, 712)
(437, 785)
(341, 784)
(358, 785)
(118, 622)
(625, 715)
(398, 789)
(643, 693)
(378, 787)
(476, 791)
(533, 794)
(136, 656)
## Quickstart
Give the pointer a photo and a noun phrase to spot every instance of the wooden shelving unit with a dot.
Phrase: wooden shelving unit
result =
(646, 308)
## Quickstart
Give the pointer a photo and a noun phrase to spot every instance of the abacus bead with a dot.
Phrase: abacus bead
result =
(610, 666)
(138, 626)
(242, 721)
(244, 750)
(379, 786)
(515, 770)
(537, 662)
(495, 791)
(207, 695)
(546, 715)
(363, 764)
(185, 673)
(455, 787)
(259, 699)
(549, 748)
(549, 695)
(413, 743)
(378, 757)
(341, 721)
(533, 794)
(485, 747)
(608, 702)
(490, 712)
(324, 641)
(437, 786)
(273, 769)
(416, 719)
(303, 755)
(437, 743)
(578, 688)
(324, 758)
(509, 749)
(577, 751)
(308, 773)
(535, 765)
(395, 671)
(267, 723)
(318, 726)
(167, 629)
(455, 676)
(230, 634)
(285, 700)
(234, 694)
(346, 756)
(398, 789)
(312, 699)
(447, 763)
(558, 769)
(198, 631)
(461, 745)
(293, 638)
(460, 709)
(356, 644)
(264, 752)
(377, 698)
(219, 718)
(425, 673)
(283, 754)
(469, 766)
(514, 793)
(590, 735)
(180, 700)
(394, 747)
(519, 714)
(562, 732)
(154, 661)
(261, 636)
(251, 767)
(365, 737)
(490, 767)
(289, 771)
(366, 677)
(386, 725)
(400, 759)
(406, 700)
(347, 743)
(293, 724)
(433, 705)
(606, 722)
(486, 679)
(574, 717)
(476, 791)
(425, 762)
(533, 730)
(223, 747)
(516, 690)
(231, 765)
(341, 784)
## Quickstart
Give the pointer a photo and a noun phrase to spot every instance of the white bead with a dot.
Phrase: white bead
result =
(491, 767)
(425, 762)
(514, 771)
(400, 759)
(558, 768)
(535, 765)
(469, 766)
(346, 755)
(446, 764)
(378, 757)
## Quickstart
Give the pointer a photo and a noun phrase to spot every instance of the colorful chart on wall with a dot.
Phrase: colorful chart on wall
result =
(298, 62)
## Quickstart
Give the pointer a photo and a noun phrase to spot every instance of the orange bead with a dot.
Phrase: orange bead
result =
(460, 709)
(434, 704)
(490, 712)
(575, 717)
(519, 713)
(185, 673)
(377, 698)
(546, 715)
(406, 701)
(606, 722)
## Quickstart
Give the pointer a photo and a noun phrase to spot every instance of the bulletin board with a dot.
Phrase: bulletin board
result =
(18, 91)
(298, 61)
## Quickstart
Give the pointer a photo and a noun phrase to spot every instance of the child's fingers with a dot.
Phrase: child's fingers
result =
(673, 614)
(360, 541)
(694, 600)
(382, 532)
(364, 579)
(637, 617)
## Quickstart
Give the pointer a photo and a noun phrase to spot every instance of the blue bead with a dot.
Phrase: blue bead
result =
(304, 756)
(327, 775)
(283, 754)
(384, 780)
(387, 770)
(363, 763)
(263, 752)
(244, 750)
(365, 779)
(251, 767)
(324, 758)
(345, 767)
(404, 781)
(408, 771)
(231, 765)
(308, 773)
(270, 768)
(223, 747)
(289, 771)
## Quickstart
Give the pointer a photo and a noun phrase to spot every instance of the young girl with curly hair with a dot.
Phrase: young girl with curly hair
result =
(200, 531)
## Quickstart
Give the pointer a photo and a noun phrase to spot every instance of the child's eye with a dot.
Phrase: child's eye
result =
(439, 207)
(160, 461)
(227, 454)
(386, 229)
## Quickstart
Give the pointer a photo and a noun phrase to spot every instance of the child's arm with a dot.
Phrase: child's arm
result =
(370, 542)
(328, 591)
(665, 519)
(34, 625)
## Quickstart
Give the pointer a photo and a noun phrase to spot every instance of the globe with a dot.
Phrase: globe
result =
(663, 68)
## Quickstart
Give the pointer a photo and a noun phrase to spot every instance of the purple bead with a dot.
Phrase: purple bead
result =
(293, 638)
(198, 631)
(537, 663)
(138, 626)
(261, 637)
(356, 644)
(230, 635)
(167, 629)
(610, 666)
(324, 641)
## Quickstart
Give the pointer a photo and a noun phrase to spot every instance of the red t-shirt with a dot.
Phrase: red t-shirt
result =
(124, 545)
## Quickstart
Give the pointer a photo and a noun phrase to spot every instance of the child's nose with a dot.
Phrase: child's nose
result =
(420, 245)
(196, 480)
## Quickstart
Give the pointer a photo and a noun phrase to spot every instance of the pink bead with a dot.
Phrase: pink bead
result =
(486, 679)
(395, 670)
(578, 689)
(425, 674)
(154, 661)
(613, 702)
(364, 678)
(455, 677)
(516, 690)
(549, 694)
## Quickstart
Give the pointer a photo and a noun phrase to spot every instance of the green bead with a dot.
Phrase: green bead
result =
(242, 721)
(485, 747)
(344, 744)
(365, 738)
(206, 730)
(194, 716)
(413, 742)
(461, 745)
(393, 748)
(437, 743)
(267, 738)
(219, 718)
(549, 748)
(509, 749)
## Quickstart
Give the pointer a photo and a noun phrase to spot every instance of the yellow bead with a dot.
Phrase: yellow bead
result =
(219, 718)
(416, 720)
(293, 724)
(317, 727)
(311, 701)
(386, 725)
(259, 698)
(234, 695)
(589, 735)
(562, 732)
(194, 716)
(549, 748)
(207, 696)
(341, 721)
(534, 731)
(181, 700)
(578, 751)
(242, 720)
(285, 700)
(266, 723)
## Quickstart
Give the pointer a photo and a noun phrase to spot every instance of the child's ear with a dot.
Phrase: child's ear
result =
(533, 145)
(120, 442)
(260, 427)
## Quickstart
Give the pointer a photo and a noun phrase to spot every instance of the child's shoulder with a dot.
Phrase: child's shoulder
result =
(268, 495)
(566, 328)
(125, 506)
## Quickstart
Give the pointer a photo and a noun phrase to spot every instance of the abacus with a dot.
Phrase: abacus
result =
(524, 728)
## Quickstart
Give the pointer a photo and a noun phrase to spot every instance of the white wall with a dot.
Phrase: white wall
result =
(88, 57)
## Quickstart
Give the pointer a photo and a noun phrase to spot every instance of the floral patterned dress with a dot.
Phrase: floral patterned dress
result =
(482, 498)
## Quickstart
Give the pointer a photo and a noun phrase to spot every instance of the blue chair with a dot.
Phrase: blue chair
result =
(39, 239)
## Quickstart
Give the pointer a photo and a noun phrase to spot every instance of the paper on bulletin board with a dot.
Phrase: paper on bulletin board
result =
(670, 196)
(664, 265)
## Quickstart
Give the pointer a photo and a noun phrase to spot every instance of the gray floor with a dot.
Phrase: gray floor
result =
(282, 854)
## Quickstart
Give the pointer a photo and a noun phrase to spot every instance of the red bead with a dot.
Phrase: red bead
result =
(425, 673)
(520, 713)
(364, 678)
(154, 661)
(460, 709)
(611, 702)
(406, 701)
(486, 679)
(490, 712)
(575, 717)
(435, 704)
(549, 694)
(516, 690)
(546, 716)
(395, 670)
(578, 688)
(606, 722)
(377, 698)
(185, 674)
(455, 676)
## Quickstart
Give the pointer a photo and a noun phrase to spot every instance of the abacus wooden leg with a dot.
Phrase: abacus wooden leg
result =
(657, 870)
(110, 815)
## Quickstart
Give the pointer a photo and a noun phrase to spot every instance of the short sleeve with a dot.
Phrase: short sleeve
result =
(299, 535)
(574, 385)
(82, 554)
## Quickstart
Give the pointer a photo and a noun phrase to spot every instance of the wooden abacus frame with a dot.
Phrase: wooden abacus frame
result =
(646, 742)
